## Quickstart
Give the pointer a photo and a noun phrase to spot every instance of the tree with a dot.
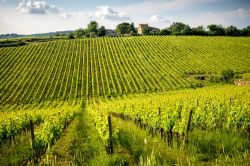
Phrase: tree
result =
(101, 31)
(232, 31)
(179, 28)
(199, 31)
(165, 32)
(79, 32)
(216, 30)
(132, 27)
(145, 31)
(71, 35)
(131, 33)
(245, 31)
(123, 28)
(186, 30)
(92, 27)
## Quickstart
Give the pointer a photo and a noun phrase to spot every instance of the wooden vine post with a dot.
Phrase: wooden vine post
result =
(161, 129)
(12, 138)
(111, 147)
(33, 142)
(178, 134)
(188, 126)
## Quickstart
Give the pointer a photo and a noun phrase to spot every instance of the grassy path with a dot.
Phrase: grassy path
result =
(81, 144)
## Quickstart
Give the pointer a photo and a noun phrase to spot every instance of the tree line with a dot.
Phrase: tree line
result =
(179, 28)
(92, 30)
(176, 28)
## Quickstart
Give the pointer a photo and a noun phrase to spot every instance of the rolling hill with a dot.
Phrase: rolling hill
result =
(84, 68)
(58, 94)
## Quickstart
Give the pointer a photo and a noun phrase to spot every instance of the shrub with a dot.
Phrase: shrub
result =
(227, 75)
(71, 36)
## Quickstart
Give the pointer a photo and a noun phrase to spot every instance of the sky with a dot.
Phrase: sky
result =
(40, 16)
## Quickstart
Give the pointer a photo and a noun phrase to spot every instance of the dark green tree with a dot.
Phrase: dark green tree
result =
(132, 28)
(92, 27)
(71, 35)
(199, 31)
(179, 28)
(101, 31)
(245, 31)
(165, 32)
(232, 31)
(79, 32)
(216, 30)
(123, 28)
(145, 31)
(186, 30)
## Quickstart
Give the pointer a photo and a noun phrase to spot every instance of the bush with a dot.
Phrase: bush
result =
(227, 75)
(71, 36)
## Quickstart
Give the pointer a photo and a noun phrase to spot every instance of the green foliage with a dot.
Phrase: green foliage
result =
(232, 31)
(178, 28)
(92, 27)
(227, 75)
(123, 28)
(245, 76)
(216, 30)
(246, 31)
(199, 31)
(79, 33)
(12, 44)
(145, 31)
(93, 30)
(165, 32)
(71, 35)
(132, 28)
(186, 30)
(101, 31)
(229, 110)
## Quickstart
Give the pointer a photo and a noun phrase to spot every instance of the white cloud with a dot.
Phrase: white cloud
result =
(66, 15)
(158, 19)
(240, 13)
(37, 7)
(105, 12)
(3, 19)
(240, 17)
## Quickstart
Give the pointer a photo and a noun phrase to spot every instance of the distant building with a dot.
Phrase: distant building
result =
(145, 28)
(141, 28)
(110, 32)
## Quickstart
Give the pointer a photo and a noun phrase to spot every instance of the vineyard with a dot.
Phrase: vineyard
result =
(176, 115)
(59, 95)
(109, 67)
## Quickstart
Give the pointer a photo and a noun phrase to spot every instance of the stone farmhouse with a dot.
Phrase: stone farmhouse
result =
(151, 30)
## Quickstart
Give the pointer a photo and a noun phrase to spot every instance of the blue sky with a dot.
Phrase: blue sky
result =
(37, 16)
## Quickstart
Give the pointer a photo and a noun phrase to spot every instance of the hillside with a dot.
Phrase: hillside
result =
(81, 68)
(60, 95)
